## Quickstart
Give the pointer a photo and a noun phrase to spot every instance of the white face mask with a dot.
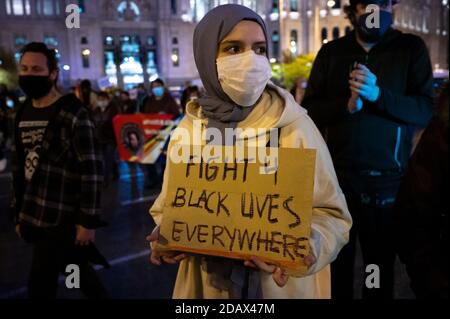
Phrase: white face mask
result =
(244, 76)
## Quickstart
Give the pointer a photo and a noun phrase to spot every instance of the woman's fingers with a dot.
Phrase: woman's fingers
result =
(262, 265)
(180, 257)
(158, 259)
(155, 258)
(250, 264)
(310, 260)
(173, 259)
(154, 235)
(280, 277)
(169, 260)
(278, 274)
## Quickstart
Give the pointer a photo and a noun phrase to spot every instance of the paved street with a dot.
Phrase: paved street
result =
(125, 205)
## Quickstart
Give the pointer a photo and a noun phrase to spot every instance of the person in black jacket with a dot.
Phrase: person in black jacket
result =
(367, 93)
(422, 210)
(57, 177)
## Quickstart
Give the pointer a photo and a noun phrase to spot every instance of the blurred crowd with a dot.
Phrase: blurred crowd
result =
(104, 105)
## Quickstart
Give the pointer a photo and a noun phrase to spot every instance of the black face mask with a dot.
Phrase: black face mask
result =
(35, 86)
(373, 34)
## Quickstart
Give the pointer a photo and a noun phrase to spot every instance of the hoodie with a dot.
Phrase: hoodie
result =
(331, 220)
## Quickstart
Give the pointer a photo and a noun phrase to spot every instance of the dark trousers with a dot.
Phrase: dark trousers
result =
(110, 162)
(154, 176)
(370, 200)
(53, 251)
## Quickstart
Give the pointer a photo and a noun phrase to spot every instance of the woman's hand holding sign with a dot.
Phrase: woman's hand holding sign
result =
(157, 258)
(279, 275)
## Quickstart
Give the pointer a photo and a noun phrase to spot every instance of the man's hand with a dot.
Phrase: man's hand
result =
(18, 230)
(279, 275)
(84, 236)
(355, 104)
(364, 83)
(156, 258)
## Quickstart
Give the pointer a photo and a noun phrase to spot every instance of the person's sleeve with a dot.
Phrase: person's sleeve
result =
(322, 109)
(90, 165)
(416, 105)
(331, 220)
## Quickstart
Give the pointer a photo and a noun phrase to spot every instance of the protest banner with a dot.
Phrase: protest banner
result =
(232, 210)
(142, 137)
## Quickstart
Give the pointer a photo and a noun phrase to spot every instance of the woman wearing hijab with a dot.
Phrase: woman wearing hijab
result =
(230, 50)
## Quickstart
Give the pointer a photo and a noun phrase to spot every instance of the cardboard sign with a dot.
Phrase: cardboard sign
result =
(234, 211)
(142, 137)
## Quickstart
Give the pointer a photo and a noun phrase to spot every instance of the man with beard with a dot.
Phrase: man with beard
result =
(368, 91)
(57, 177)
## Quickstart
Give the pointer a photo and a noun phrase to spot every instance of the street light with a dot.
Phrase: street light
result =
(175, 58)
(86, 52)
(66, 67)
(331, 3)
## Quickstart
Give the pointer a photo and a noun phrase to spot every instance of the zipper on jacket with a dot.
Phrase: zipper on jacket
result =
(397, 146)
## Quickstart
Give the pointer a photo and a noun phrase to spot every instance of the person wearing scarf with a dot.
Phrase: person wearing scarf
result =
(230, 50)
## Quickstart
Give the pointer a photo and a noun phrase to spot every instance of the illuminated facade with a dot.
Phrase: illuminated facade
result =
(132, 42)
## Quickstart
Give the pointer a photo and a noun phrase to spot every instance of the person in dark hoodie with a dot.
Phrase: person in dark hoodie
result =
(367, 93)
(57, 177)
(422, 210)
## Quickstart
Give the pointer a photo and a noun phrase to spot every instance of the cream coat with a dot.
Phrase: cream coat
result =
(331, 220)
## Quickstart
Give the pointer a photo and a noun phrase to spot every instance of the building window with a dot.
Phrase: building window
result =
(175, 41)
(128, 10)
(27, 7)
(275, 5)
(151, 41)
(324, 34)
(275, 44)
(84, 40)
(51, 41)
(151, 63)
(336, 33)
(109, 40)
(8, 7)
(293, 42)
(130, 60)
(173, 7)
(48, 7)
(82, 6)
(334, 4)
(110, 67)
(176, 57)
(20, 41)
(16, 8)
(85, 54)
(294, 5)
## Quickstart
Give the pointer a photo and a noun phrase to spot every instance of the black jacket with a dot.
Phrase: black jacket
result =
(422, 213)
(66, 185)
(378, 137)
